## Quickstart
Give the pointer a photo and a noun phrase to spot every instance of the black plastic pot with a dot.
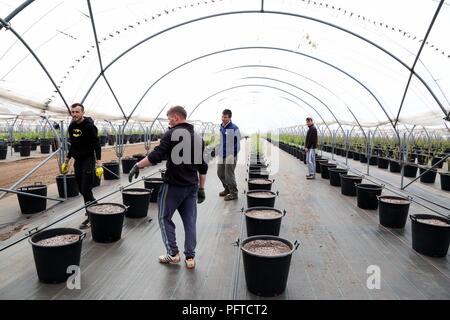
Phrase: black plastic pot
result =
(263, 174)
(102, 140)
(362, 158)
(391, 214)
(348, 181)
(137, 203)
(356, 156)
(253, 201)
(319, 164)
(373, 161)
(428, 177)
(324, 167)
(445, 180)
(394, 166)
(29, 204)
(72, 186)
(436, 160)
(111, 170)
(335, 175)
(3, 153)
(45, 149)
(106, 228)
(253, 167)
(25, 151)
(128, 163)
(367, 195)
(153, 184)
(267, 275)
(427, 239)
(52, 261)
(252, 185)
(259, 226)
(410, 170)
(383, 163)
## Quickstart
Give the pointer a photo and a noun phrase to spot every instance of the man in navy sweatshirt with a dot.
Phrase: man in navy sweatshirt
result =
(183, 186)
(86, 150)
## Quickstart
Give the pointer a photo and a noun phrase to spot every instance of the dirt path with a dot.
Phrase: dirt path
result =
(10, 172)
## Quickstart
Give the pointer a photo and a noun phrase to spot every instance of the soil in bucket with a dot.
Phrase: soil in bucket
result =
(263, 220)
(72, 186)
(260, 198)
(266, 264)
(430, 234)
(367, 195)
(29, 204)
(259, 184)
(54, 250)
(348, 181)
(137, 201)
(153, 184)
(393, 211)
(106, 221)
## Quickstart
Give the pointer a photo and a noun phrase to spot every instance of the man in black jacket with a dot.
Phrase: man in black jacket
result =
(310, 148)
(183, 186)
(86, 150)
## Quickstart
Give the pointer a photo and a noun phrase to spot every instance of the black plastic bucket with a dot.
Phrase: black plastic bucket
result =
(253, 201)
(263, 174)
(436, 160)
(427, 239)
(335, 176)
(319, 163)
(266, 184)
(153, 184)
(393, 211)
(267, 275)
(25, 151)
(410, 170)
(356, 156)
(52, 261)
(348, 182)
(428, 177)
(260, 225)
(383, 163)
(128, 163)
(30, 204)
(324, 169)
(3, 153)
(394, 166)
(72, 186)
(137, 201)
(445, 180)
(111, 170)
(367, 195)
(106, 227)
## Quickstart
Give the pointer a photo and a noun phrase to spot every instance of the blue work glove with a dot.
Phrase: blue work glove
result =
(201, 195)
(133, 172)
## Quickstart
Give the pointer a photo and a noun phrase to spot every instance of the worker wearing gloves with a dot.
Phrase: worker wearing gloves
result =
(85, 149)
(183, 185)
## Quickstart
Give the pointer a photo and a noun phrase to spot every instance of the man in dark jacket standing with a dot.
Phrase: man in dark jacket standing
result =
(229, 147)
(86, 150)
(183, 186)
(310, 148)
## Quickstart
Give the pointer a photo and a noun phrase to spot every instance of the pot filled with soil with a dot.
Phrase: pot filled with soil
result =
(324, 169)
(128, 163)
(29, 204)
(111, 170)
(430, 234)
(429, 176)
(348, 184)
(54, 250)
(267, 260)
(393, 211)
(335, 175)
(106, 221)
(72, 186)
(366, 194)
(263, 220)
(137, 201)
(153, 184)
(261, 198)
(260, 184)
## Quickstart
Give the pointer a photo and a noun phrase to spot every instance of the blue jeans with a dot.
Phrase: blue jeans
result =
(311, 161)
(183, 199)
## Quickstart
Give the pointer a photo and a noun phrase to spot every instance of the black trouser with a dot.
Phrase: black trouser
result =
(84, 174)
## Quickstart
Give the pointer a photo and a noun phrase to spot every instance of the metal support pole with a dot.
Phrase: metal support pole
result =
(333, 146)
(29, 194)
(403, 155)
(368, 150)
(347, 146)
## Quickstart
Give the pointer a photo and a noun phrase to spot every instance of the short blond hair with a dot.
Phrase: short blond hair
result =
(179, 110)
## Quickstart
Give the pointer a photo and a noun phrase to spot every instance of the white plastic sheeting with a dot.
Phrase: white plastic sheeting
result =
(337, 61)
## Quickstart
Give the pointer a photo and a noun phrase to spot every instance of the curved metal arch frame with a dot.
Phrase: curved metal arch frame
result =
(263, 86)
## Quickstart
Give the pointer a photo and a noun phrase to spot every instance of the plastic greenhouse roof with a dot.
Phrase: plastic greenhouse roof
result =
(272, 62)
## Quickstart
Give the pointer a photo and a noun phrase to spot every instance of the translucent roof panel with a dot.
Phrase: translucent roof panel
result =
(272, 62)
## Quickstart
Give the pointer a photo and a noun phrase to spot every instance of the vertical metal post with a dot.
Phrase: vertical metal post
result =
(403, 156)
(333, 144)
(368, 150)
(63, 154)
(347, 145)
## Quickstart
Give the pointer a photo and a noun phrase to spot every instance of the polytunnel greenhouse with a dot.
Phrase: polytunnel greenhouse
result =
(352, 204)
